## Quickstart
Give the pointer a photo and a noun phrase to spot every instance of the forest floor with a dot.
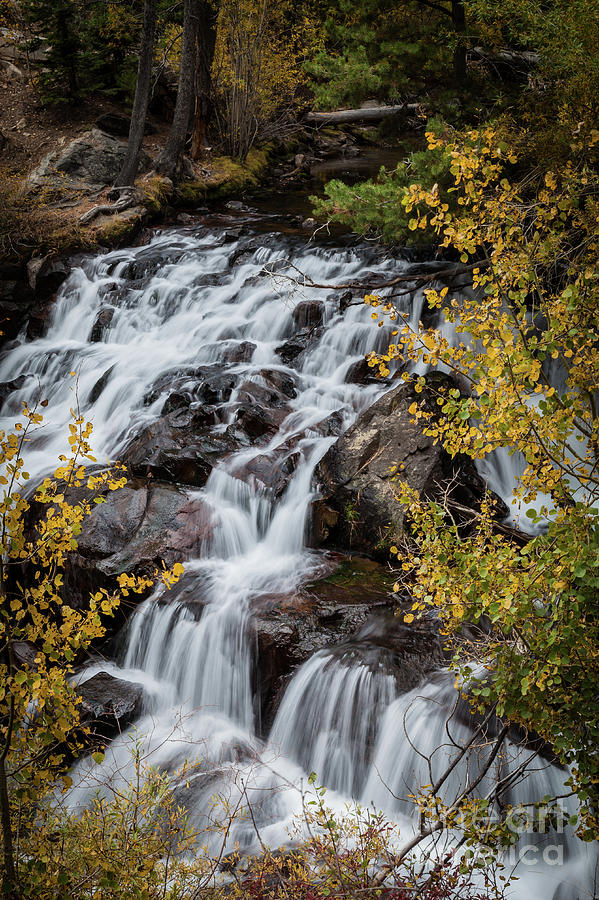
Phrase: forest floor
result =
(32, 130)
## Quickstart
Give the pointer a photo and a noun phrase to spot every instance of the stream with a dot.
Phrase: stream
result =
(194, 322)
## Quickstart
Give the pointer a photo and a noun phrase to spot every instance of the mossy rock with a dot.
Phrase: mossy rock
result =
(114, 231)
(356, 580)
(155, 191)
(226, 176)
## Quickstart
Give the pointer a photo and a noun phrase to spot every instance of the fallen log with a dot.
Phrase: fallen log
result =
(367, 114)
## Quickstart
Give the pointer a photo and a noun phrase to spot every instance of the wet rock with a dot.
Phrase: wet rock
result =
(360, 373)
(331, 426)
(7, 388)
(178, 448)
(282, 382)
(243, 254)
(209, 279)
(273, 470)
(109, 704)
(207, 385)
(147, 264)
(257, 421)
(292, 350)
(45, 275)
(136, 528)
(241, 352)
(358, 472)
(270, 392)
(88, 163)
(308, 314)
(39, 320)
(101, 323)
(16, 299)
(99, 386)
(350, 611)
(345, 300)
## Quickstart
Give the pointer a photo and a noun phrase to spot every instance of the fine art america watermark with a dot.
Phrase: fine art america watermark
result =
(536, 835)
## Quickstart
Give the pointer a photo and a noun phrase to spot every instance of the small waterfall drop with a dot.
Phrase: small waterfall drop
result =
(329, 719)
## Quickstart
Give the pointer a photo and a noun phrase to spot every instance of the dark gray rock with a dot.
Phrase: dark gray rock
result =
(360, 373)
(99, 386)
(207, 385)
(291, 351)
(308, 314)
(16, 299)
(358, 474)
(88, 164)
(39, 320)
(134, 530)
(109, 704)
(179, 448)
(273, 470)
(101, 323)
(46, 274)
(7, 388)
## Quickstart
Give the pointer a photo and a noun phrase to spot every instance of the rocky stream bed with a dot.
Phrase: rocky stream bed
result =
(259, 452)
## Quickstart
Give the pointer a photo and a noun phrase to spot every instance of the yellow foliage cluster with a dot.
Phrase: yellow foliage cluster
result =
(39, 708)
(258, 67)
(525, 363)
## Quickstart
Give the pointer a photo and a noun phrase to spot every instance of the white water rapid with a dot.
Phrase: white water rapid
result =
(131, 324)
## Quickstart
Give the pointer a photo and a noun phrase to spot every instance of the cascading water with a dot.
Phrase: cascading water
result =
(329, 718)
(130, 323)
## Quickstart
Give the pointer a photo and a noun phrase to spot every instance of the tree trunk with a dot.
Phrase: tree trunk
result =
(9, 876)
(205, 43)
(68, 48)
(458, 18)
(142, 96)
(169, 161)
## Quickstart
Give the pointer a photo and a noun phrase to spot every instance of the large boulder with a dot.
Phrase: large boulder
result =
(88, 163)
(180, 447)
(134, 530)
(359, 509)
(141, 524)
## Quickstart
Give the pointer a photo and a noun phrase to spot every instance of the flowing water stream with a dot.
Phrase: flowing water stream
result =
(202, 296)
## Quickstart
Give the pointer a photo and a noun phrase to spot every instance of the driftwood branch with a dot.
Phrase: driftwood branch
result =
(368, 114)
(417, 279)
(107, 209)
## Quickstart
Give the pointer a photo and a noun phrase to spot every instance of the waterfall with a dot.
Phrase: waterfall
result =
(329, 718)
(129, 324)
